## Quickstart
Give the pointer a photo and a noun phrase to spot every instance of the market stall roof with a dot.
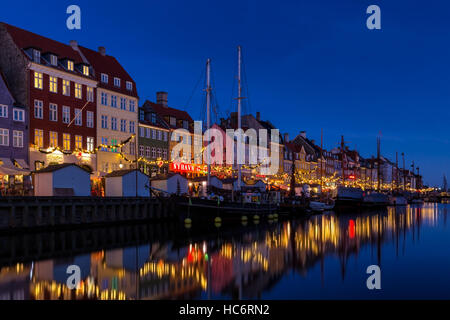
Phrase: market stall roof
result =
(8, 168)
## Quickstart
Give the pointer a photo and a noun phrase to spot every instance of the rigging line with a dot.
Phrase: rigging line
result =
(78, 114)
(195, 87)
(247, 93)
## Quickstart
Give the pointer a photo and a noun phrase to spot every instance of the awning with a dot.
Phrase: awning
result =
(8, 168)
(22, 163)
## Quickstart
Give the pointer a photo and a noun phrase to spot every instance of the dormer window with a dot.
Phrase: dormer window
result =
(117, 82)
(69, 65)
(185, 124)
(53, 60)
(36, 56)
(129, 86)
(104, 78)
(153, 118)
(173, 121)
(86, 70)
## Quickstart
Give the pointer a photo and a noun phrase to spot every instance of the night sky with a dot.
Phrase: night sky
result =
(309, 64)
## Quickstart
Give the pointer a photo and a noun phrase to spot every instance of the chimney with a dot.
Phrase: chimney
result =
(102, 51)
(286, 137)
(303, 134)
(74, 44)
(161, 98)
(258, 116)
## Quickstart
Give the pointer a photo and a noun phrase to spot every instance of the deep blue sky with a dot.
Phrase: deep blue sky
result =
(309, 64)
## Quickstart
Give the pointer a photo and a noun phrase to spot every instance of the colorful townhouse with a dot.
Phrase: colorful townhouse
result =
(57, 87)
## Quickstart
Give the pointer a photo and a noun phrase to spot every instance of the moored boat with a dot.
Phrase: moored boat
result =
(348, 197)
(398, 201)
(375, 199)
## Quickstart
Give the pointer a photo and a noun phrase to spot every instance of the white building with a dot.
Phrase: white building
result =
(65, 179)
(122, 183)
(172, 183)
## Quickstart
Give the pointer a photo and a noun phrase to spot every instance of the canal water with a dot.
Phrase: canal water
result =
(320, 257)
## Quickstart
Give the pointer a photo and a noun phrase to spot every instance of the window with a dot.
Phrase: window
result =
(66, 87)
(78, 142)
(78, 91)
(113, 123)
(18, 115)
(123, 104)
(173, 121)
(185, 124)
(132, 129)
(86, 70)
(114, 101)
(39, 138)
(114, 143)
(53, 139)
(65, 114)
(53, 112)
(129, 86)
(105, 143)
(153, 134)
(104, 122)
(104, 78)
(78, 117)
(147, 132)
(141, 115)
(18, 139)
(165, 135)
(3, 111)
(165, 154)
(132, 148)
(104, 99)
(69, 65)
(66, 141)
(141, 131)
(4, 137)
(147, 152)
(132, 106)
(89, 119)
(37, 56)
(123, 125)
(159, 152)
(90, 144)
(38, 80)
(153, 152)
(53, 84)
(117, 82)
(153, 118)
(53, 60)
(159, 135)
(90, 94)
(141, 151)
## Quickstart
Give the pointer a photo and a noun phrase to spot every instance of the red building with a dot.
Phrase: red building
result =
(56, 82)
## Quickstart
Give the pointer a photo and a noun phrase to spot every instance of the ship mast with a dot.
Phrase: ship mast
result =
(208, 116)
(239, 111)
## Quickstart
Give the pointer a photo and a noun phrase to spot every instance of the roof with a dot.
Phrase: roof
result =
(165, 176)
(56, 167)
(121, 173)
(202, 178)
(110, 66)
(163, 111)
(228, 180)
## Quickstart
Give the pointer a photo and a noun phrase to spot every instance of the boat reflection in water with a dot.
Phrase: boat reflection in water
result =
(325, 256)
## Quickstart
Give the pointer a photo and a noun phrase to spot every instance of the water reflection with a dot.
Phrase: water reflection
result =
(243, 265)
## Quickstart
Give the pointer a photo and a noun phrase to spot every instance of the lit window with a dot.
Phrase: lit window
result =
(89, 119)
(38, 80)
(39, 138)
(53, 112)
(90, 94)
(66, 114)
(4, 137)
(66, 87)
(104, 78)
(53, 139)
(53, 84)
(113, 143)
(78, 117)
(117, 82)
(37, 56)
(18, 139)
(105, 143)
(78, 91)
(90, 144)
(3, 111)
(18, 115)
(86, 70)
(66, 141)
(78, 142)
(70, 65)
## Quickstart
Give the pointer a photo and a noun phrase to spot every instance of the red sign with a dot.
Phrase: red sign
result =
(185, 168)
(351, 177)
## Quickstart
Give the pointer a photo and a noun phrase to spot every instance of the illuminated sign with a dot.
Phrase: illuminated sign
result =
(186, 168)
(351, 177)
